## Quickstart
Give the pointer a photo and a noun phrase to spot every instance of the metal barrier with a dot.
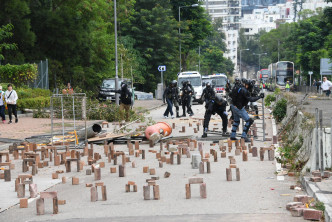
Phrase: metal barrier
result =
(67, 111)
(308, 89)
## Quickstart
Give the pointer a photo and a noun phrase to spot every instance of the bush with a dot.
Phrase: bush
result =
(33, 103)
(280, 109)
(25, 93)
(269, 98)
(277, 91)
(110, 113)
(18, 74)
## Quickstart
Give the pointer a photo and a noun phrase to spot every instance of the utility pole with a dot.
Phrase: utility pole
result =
(116, 55)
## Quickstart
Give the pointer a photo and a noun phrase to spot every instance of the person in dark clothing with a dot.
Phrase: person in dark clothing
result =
(253, 92)
(125, 100)
(175, 96)
(218, 105)
(167, 97)
(240, 98)
(187, 92)
(208, 95)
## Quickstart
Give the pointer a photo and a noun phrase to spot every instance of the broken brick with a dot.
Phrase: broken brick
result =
(312, 214)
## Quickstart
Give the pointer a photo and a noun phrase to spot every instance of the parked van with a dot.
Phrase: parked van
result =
(195, 79)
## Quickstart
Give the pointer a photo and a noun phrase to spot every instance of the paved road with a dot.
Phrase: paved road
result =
(259, 196)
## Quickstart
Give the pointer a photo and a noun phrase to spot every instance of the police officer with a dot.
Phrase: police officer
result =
(218, 105)
(187, 92)
(208, 94)
(253, 92)
(175, 96)
(240, 98)
(167, 97)
(125, 99)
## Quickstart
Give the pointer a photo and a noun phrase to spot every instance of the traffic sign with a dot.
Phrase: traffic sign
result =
(161, 68)
(310, 72)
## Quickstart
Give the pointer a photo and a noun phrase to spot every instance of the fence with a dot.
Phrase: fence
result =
(68, 114)
(42, 80)
(308, 89)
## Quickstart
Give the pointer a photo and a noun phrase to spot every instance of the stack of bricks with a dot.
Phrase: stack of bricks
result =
(316, 176)
(40, 202)
(196, 181)
(201, 166)
(270, 151)
(94, 191)
(131, 183)
(146, 190)
(229, 170)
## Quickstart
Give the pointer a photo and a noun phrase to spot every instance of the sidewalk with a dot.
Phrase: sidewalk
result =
(322, 191)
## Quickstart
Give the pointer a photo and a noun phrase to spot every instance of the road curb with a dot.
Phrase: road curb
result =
(314, 191)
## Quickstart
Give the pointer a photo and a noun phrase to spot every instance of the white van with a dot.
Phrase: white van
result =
(219, 81)
(195, 79)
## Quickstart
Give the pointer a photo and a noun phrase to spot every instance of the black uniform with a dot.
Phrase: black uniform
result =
(254, 92)
(125, 94)
(175, 98)
(240, 98)
(167, 97)
(218, 106)
(187, 92)
(208, 95)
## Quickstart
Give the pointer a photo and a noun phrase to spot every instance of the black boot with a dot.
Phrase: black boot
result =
(177, 114)
(205, 133)
(225, 133)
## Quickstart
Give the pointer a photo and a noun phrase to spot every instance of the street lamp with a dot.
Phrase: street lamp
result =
(189, 6)
(116, 55)
(241, 61)
(259, 59)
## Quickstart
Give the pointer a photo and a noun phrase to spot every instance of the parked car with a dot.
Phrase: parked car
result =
(108, 85)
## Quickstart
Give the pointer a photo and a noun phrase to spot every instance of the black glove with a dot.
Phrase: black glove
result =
(262, 95)
(164, 101)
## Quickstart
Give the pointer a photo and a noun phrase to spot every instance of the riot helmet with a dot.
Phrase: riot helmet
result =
(174, 83)
(218, 99)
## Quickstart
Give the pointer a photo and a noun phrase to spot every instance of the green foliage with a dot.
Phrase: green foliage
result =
(33, 103)
(33, 98)
(269, 98)
(154, 30)
(212, 50)
(195, 26)
(304, 42)
(280, 109)
(26, 93)
(18, 74)
(109, 112)
(77, 38)
(17, 12)
(288, 152)
(318, 205)
(277, 91)
(5, 33)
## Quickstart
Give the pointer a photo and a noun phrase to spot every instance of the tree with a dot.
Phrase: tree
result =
(16, 12)
(153, 28)
(195, 26)
(213, 48)
(5, 33)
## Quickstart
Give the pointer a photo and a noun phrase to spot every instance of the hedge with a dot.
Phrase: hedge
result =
(18, 74)
(33, 103)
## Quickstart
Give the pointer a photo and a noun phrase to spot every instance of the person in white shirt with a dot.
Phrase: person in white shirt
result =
(326, 86)
(2, 105)
(11, 98)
